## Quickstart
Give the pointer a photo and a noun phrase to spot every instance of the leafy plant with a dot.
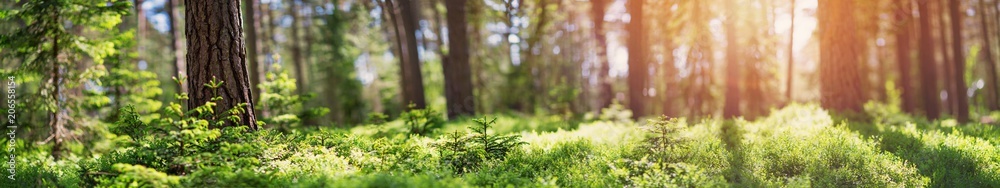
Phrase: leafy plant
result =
(422, 121)
(465, 153)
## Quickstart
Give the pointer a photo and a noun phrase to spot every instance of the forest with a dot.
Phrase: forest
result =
(500, 93)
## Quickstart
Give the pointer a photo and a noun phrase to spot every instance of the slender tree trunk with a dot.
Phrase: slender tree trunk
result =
(605, 93)
(731, 107)
(296, 48)
(945, 65)
(991, 69)
(840, 68)
(140, 28)
(638, 71)
(409, 67)
(791, 56)
(216, 52)
(176, 45)
(928, 75)
(252, 21)
(55, 116)
(904, 56)
(961, 98)
(671, 88)
(457, 75)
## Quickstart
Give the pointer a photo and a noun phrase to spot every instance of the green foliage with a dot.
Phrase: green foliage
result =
(283, 106)
(465, 153)
(422, 121)
(140, 176)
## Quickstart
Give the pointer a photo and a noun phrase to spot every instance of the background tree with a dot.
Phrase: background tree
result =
(458, 85)
(638, 66)
(840, 79)
(928, 73)
(961, 99)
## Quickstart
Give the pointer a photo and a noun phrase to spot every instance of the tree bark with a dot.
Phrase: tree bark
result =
(928, 73)
(731, 107)
(176, 45)
(216, 51)
(904, 56)
(840, 68)
(605, 93)
(457, 75)
(252, 20)
(958, 53)
(637, 71)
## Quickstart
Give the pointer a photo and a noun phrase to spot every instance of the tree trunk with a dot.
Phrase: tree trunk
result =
(958, 53)
(457, 75)
(904, 56)
(638, 71)
(176, 45)
(840, 68)
(216, 51)
(946, 67)
(928, 73)
(991, 69)
(57, 130)
(252, 21)
(299, 65)
(791, 57)
(731, 107)
(605, 93)
(409, 67)
(140, 28)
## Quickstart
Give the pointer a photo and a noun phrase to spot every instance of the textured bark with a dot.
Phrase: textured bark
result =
(457, 75)
(840, 68)
(252, 21)
(175, 44)
(731, 107)
(928, 75)
(216, 51)
(605, 93)
(958, 53)
(904, 56)
(638, 67)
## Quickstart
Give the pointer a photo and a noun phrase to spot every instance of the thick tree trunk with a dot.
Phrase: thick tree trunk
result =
(637, 71)
(252, 22)
(904, 56)
(605, 93)
(731, 107)
(216, 51)
(928, 73)
(840, 68)
(457, 75)
(958, 53)
(176, 45)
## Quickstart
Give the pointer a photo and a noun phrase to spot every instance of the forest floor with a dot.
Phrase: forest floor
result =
(798, 146)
